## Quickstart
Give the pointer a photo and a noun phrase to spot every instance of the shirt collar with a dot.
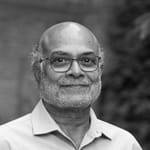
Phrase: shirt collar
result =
(43, 123)
(99, 128)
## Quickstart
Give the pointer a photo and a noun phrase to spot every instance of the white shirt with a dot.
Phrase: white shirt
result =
(38, 131)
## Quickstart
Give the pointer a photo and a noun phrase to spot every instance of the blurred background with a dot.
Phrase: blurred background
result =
(123, 26)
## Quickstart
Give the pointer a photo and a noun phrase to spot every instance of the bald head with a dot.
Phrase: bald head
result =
(67, 34)
(69, 37)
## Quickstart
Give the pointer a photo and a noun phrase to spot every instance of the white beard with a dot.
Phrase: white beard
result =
(70, 97)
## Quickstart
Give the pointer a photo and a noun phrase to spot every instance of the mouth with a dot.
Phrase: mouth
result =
(75, 89)
(74, 85)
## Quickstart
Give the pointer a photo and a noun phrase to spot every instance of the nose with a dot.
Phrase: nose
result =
(75, 70)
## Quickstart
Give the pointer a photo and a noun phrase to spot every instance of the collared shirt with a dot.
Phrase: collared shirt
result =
(38, 131)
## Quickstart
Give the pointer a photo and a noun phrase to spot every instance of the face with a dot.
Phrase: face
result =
(74, 88)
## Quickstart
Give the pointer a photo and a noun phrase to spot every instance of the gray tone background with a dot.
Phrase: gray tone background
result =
(123, 28)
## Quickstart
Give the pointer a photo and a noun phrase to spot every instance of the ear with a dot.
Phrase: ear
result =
(36, 68)
(101, 62)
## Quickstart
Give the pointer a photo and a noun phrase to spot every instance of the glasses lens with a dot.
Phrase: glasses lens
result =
(88, 63)
(60, 63)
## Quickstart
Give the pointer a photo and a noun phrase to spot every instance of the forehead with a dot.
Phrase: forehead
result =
(73, 50)
(71, 39)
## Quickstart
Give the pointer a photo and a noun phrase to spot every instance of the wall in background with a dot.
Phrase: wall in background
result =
(21, 24)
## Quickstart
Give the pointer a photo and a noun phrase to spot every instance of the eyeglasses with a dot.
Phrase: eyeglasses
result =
(62, 63)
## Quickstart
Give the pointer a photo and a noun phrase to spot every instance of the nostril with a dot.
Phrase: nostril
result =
(75, 70)
(75, 76)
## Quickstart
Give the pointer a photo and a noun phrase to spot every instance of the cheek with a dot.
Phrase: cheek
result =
(94, 76)
(50, 74)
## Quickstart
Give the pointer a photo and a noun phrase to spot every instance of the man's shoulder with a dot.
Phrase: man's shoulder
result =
(21, 123)
(117, 135)
(115, 132)
(15, 132)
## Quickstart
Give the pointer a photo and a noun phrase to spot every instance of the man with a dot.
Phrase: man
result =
(67, 66)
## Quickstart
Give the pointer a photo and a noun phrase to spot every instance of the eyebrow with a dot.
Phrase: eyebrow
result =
(59, 52)
(64, 53)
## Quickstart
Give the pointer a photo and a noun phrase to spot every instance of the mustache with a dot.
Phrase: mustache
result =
(71, 81)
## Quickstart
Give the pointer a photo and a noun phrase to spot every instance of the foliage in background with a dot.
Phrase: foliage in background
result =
(126, 85)
(126, 90)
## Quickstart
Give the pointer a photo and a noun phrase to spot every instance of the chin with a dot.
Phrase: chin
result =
(75, 101)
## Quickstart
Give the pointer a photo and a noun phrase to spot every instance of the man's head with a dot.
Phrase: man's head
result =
(67, 66)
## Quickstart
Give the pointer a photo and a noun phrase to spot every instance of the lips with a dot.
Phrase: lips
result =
(74, 82)
(74, 85)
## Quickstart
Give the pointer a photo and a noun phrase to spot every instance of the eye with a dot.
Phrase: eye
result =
(59, 61)
(88, 61)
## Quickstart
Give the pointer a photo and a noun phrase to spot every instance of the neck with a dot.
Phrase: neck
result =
(73, 122)
(69, 116)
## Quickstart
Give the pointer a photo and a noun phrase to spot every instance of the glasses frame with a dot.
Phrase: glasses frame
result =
(72, 59)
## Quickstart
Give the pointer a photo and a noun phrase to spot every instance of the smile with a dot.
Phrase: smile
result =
(74, 85)
(75, 89)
